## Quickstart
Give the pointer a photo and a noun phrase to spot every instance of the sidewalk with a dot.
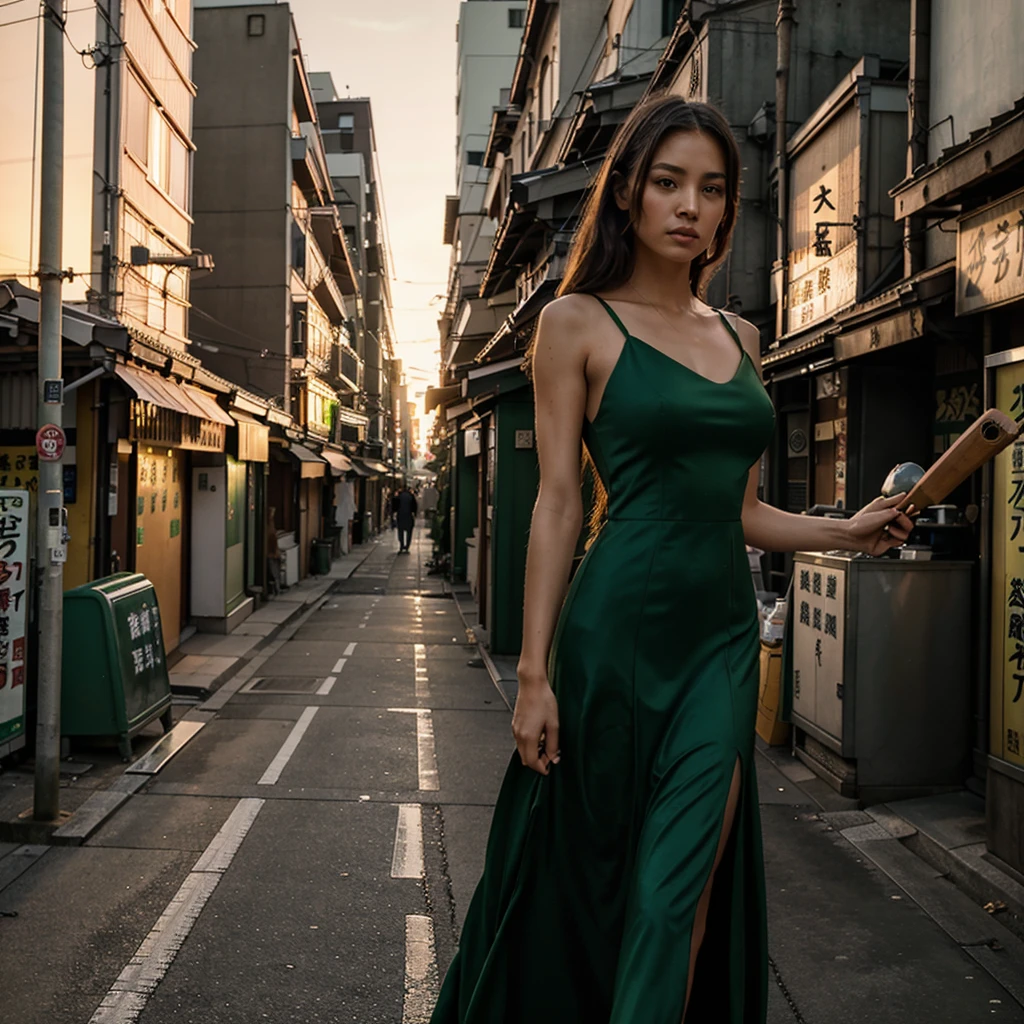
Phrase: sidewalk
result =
(931, 848)
(95, 782)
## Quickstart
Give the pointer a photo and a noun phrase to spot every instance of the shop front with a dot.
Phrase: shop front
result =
(227, 526)
(168, 421)
(994, 288)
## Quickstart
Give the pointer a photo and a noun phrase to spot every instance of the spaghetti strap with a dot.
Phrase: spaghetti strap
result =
(732, 330)
(611, 312)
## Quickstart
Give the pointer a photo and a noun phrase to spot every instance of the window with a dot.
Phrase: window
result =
(516, 17)
(177, 185)
(298, 249)
(545, 89)
(346, 123)
(257, 24)
(475, 157)
(136, 118)
(159, 145)
(298, 329)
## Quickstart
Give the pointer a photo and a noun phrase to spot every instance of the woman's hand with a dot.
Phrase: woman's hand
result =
(879, 526)
(535, 722)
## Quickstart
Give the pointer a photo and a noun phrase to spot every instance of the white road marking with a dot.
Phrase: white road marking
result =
(136, 983)
(425, 749)
(421, 984)
(422, 680)
(350, 650)
(407, 860)
(328, 684)
(273, 773)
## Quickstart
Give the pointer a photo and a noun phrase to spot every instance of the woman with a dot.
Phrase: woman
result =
(626, 838)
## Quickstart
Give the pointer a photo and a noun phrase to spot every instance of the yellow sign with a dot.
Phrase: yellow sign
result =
(19, 467)
(1007, 671)
(990, 255)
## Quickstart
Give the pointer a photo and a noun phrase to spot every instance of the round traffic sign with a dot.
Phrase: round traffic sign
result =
(50, 442)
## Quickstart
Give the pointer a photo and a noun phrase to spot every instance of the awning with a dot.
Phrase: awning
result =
(168, 394)
(253, 437)
(369, 467)
(438, 396)
(208, 406)
(152, 388)
(340, 464)
(310, 464)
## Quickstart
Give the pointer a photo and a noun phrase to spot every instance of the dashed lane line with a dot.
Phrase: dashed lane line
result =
(407, 859)
(422, 679)
(273, 772)
(426, 752)
(350, 650)
(128, 995)
(421, 981)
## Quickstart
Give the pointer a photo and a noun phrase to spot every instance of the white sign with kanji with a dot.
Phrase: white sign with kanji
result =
(14, 575)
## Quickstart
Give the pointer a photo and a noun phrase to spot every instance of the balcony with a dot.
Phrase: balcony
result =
(346, 368)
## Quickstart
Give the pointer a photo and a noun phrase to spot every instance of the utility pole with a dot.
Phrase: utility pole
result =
(784, 22)
(50, 439)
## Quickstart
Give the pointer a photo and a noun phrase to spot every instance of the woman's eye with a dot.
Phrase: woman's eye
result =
(667, 182)
(713, 189)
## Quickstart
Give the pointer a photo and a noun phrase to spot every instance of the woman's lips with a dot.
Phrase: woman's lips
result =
(683, 236)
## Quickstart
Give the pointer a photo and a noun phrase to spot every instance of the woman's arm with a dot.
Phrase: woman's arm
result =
(560, 387)
(874, 529)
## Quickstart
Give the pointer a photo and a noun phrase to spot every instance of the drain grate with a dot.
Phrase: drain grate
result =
(285, 684)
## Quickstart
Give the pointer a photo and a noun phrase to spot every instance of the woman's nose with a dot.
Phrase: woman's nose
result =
(686, 202)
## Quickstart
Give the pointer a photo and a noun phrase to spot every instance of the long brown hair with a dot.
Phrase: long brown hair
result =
(603, 252)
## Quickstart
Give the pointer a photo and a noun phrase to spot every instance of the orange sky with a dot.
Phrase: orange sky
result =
(400, 53)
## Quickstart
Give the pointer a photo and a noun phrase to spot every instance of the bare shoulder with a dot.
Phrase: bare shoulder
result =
(565, 327)
(750, 337)
(569, 314)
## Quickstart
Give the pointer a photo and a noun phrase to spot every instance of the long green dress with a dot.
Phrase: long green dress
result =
(585, 911)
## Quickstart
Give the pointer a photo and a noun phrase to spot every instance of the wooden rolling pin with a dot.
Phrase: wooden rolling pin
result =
(984, 439)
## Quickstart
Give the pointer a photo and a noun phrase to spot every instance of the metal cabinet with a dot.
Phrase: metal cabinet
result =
(881, 672)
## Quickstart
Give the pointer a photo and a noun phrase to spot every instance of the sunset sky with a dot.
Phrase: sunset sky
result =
(400, 53)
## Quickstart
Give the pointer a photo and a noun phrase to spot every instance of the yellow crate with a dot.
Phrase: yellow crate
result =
(769, 728)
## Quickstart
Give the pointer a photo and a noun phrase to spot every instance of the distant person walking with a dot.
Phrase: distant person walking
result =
(405, 510)
(428, 500)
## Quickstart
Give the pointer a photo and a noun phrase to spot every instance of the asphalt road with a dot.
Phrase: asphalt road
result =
(310, 855)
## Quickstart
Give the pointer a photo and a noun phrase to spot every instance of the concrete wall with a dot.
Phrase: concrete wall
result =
(487, 50)
(241, 204)
(977, 66)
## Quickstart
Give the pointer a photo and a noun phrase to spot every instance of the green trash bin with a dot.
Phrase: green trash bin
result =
(114, 678)
(321, 557)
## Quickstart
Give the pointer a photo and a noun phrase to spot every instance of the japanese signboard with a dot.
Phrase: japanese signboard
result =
(829, 285)
(14, 575)
(19, 467)
(819, 601)
(990, 255)
(1007, 661)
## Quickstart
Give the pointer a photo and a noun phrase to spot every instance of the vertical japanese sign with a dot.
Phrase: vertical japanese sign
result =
(14, 571)
(1007, 672)
(819, 603)
(990, 255)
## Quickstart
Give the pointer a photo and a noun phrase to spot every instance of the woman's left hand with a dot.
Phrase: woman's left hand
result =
(879, 526)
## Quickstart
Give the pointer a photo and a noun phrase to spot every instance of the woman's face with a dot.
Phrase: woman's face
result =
(683, 196)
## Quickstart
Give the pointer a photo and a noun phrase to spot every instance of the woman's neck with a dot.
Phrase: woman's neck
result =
(664, 283)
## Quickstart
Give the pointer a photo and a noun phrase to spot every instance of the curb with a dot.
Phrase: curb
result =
(485, 655)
